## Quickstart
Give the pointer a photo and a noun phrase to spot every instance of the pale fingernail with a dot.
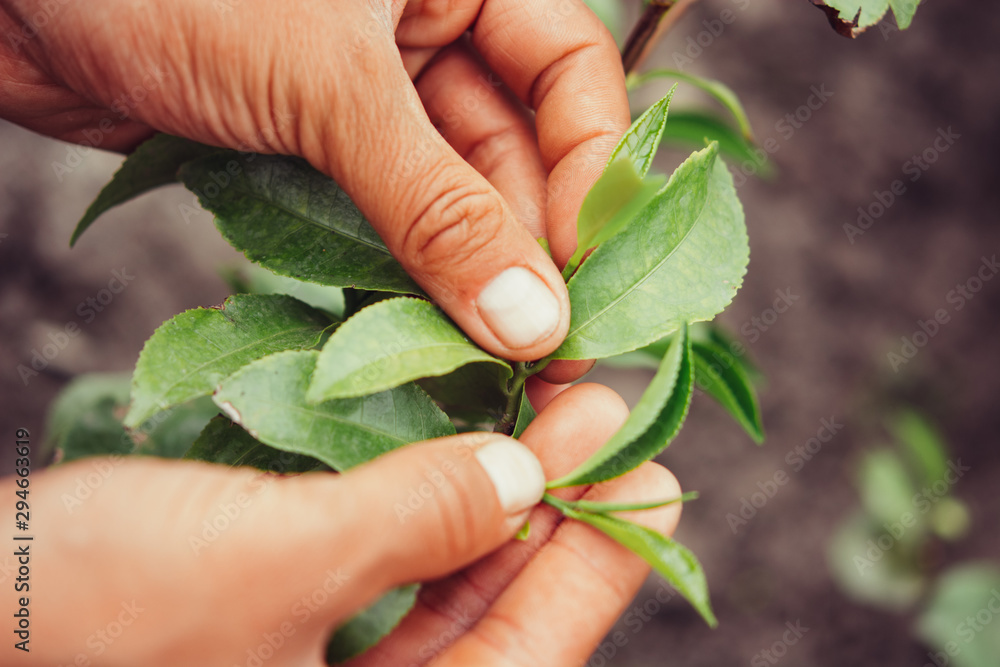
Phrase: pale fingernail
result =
(515, 472)
(519, 308)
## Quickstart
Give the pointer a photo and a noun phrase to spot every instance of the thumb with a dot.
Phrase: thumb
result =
(427, 510)
(442, 220)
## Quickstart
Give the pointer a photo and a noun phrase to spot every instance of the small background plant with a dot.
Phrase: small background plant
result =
(890, 553)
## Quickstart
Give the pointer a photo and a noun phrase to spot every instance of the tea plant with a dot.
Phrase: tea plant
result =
(893, 552)
(286, 385)
(391, 368)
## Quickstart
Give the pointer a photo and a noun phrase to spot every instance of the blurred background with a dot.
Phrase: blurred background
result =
(864, 530)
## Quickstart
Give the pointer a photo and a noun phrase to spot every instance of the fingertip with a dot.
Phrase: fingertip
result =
(540, 393)
(598, 401)
(649, 482)
(564, 371)
(516, 474)
(573, 425)
(527, 314)
(447, 502)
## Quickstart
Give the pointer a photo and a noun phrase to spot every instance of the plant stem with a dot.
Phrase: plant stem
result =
(513, 392)
(537, 366)
(558, 503)
(592, 506)
(656, 19)
(602, 508)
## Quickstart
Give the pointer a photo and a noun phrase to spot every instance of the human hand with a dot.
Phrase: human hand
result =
(132, 576)
(330, 80)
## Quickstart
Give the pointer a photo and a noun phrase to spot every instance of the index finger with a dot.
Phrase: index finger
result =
(562, 62)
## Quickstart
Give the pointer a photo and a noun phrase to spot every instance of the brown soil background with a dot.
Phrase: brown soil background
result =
(824, 358)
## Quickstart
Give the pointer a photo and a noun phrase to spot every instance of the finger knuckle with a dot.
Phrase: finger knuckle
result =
(454, 520)
(460, 221)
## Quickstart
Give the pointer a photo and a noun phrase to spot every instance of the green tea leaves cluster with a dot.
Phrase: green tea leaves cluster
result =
(680, 260)
(190, 354)
(300, 389)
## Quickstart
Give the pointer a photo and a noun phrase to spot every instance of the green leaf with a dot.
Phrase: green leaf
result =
(295, 221)
(891, 579)
(694, 128)
(722, 377)
(153, 164)
(367, 627)
(868, 13)
(904, 10)
(923, 445)
(648, 357)
(388, 344)
(190, 354)
(622, 189)
(90, 393)
(525, 415)
(524, 533)
(86, 419)
(716, 335)
(97, 433)
(949, 519)
(268, 399)
(964, 593)
(171, 433)
(887, 491)
(253, 279)
(680, 260)
(720, 91)
(226, 443)
(667, 556)
(650, 427)
(613, 201)
(640, 141)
